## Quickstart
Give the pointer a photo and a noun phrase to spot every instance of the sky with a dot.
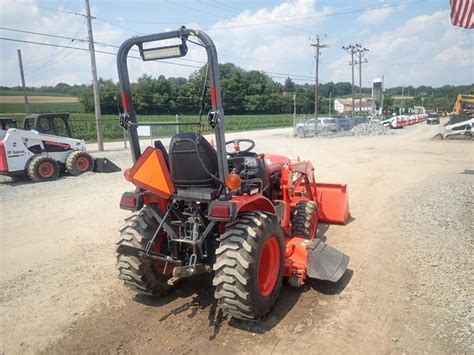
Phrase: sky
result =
(410, 42)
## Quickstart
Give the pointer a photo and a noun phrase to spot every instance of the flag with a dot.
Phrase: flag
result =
(462, 13)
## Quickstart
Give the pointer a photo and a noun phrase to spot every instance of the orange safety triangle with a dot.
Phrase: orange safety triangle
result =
(152, 174)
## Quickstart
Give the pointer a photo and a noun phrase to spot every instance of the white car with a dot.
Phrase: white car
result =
(325, 125)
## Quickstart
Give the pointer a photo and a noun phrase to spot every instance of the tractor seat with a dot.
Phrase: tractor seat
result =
(190, 167)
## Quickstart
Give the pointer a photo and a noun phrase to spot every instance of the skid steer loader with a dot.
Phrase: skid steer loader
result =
(248, 218)
(42, 156)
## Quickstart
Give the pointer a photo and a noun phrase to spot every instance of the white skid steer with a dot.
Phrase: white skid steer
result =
(42, 156)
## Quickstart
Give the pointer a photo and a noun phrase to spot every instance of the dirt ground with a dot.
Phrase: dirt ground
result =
(408, 287)
(37, 99)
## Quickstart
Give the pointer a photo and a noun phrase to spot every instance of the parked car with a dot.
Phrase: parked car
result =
(325, 125)
(344, 123)
(433, 117)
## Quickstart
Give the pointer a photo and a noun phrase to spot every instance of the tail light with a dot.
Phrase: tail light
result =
(131, 201)
(220, 211)
(3, 158)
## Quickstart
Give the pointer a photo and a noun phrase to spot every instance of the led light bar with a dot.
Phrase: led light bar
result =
(164, 52)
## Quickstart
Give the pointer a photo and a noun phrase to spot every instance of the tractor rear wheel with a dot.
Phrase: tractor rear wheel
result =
(249, 266)
(305, 219)
(42, 168)
(78, 162)
(141, 275)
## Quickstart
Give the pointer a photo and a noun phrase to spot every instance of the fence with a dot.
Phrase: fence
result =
(309, 126)
(83, 125)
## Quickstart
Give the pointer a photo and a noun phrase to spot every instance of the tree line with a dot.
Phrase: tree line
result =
(244, 92)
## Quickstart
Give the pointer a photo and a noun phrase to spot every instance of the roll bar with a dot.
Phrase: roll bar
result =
(128, 118)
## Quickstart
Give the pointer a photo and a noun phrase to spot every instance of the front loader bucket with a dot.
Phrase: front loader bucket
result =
(104, 165)
(333, 203)
(325, 262)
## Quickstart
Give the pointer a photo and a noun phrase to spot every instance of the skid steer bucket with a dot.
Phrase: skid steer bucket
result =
(104, 165)
(333, 203)
(325, 262)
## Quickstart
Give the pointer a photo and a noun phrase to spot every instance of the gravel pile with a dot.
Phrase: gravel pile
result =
(438, 238)
(371, 129)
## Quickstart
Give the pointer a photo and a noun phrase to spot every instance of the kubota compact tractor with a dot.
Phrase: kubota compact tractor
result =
(249, 218)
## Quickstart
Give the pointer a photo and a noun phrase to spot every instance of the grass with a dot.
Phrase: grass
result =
(4, 92)
(17, 109)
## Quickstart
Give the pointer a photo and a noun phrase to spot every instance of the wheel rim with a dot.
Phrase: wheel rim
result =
(46, 169)
(82, 164)
(269, 266)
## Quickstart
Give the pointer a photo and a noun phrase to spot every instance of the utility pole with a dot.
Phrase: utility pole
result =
(360, 53)
(317, 52)
(95, 83)
(294, 106)
(23, 85)
(352, 49)
(401, 101)
(330, 99)
(383, 95)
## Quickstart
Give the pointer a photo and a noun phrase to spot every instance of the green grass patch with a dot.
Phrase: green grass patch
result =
(4, 92)
(15, 109)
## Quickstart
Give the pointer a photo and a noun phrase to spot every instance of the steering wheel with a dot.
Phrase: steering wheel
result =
(236, 143)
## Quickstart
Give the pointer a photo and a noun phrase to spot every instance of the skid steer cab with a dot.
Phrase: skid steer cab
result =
(248, 218)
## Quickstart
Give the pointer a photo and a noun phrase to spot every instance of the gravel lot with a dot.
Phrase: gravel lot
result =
(407, 289)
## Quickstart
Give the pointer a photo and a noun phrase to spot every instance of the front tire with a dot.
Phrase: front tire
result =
(42, 168)
(78, 162)
(141, 275)
(249, 266)
(305, 219)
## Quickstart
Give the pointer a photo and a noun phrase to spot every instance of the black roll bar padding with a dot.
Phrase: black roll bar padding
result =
(215, 89)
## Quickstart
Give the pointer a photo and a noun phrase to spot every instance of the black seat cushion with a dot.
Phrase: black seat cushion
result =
(186, 169)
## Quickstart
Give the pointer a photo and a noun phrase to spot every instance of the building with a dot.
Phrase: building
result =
(344, 106)
(377, 90)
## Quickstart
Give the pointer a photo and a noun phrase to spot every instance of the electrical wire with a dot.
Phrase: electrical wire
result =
(87, 50)
(313, 17)
(273, 74)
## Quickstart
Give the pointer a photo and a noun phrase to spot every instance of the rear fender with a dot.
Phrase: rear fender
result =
(227, 211)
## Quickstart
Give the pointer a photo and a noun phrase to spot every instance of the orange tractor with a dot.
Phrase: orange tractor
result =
(248, 218)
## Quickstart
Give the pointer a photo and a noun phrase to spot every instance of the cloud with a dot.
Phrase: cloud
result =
(425, 49)
(377, 15)
(429, 42)
(271, 47)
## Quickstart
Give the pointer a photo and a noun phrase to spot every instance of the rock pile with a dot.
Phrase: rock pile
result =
(370, 129)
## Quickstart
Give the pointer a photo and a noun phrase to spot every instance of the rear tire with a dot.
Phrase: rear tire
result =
(78, 162)
(141, 275)
(304, 220)
(42, 168)
(249, 266)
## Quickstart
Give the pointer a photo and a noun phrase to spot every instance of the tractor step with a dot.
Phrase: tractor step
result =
(325, 262)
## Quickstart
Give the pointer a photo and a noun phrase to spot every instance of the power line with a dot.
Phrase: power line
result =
(228, 27)
(115, 46)
(315, 17)
(361, 9)
(86, 50)
(50, 8)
